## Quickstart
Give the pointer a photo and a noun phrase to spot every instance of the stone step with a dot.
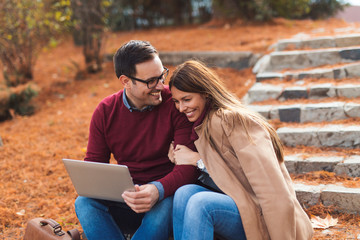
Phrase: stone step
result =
(347, 71)
(344, 166)
(301, 113)
(319, 42)
(330, 135)
(231, 59)
(277, 61)
(344, 199)
(262, 92)
(236, 60)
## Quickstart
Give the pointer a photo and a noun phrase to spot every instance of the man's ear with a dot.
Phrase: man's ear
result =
(125, 81)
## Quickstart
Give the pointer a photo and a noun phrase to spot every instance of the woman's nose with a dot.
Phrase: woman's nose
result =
(181, 107)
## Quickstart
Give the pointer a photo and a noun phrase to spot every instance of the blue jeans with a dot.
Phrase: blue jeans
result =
(199, 212)
(109, 220)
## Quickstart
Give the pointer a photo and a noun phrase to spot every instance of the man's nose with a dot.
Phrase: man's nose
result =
(160, 85)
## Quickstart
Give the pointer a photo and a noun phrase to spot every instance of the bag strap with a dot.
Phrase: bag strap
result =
(74, 234)
(55, 226)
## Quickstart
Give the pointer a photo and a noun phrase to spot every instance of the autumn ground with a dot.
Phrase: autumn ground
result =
(33, 180)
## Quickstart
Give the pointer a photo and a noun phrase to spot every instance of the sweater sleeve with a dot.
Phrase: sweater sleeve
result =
(181, 174)
(261, 168)
(97, 149)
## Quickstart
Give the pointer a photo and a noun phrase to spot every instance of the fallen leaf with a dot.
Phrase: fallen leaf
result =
(323, 223)
(21, 212)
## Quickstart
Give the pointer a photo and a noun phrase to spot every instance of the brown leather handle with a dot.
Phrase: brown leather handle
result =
(55, 226)
(74, 234)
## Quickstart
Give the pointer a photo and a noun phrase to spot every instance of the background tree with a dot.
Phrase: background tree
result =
(264, 10)
(26, 27)
(90, 18)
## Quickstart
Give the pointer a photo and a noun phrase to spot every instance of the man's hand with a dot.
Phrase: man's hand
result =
(171, 153)
(143, 199)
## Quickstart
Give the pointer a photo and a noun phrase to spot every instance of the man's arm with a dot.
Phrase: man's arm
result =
(97, 149)
(181, 174)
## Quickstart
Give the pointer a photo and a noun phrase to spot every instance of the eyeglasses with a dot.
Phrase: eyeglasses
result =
(152, 82)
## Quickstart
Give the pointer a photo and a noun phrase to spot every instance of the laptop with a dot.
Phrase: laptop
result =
(99, 180)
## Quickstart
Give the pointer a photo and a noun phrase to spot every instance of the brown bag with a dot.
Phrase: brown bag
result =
(48, 229)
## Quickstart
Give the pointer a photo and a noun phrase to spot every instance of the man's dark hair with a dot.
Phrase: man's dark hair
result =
(130, 54)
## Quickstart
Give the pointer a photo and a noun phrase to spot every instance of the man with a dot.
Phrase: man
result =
(137, 126)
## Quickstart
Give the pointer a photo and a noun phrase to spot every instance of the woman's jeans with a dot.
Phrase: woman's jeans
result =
(109, 220)
(199, 212)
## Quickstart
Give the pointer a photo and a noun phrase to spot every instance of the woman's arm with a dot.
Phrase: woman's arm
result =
(261, 167)
(183, 155)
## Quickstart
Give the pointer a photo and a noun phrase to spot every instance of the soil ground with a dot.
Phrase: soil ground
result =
(34, 182)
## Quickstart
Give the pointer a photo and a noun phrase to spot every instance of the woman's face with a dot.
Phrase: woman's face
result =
(192, 104)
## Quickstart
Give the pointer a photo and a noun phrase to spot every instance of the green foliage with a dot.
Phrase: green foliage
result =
(320, 9)
(135, 14)
(263, 10)
(26, 27)
(290, 9)
(20, 99)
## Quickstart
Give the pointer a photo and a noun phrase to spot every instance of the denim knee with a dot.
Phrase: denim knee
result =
(160, 213)
(84, 204)
(184, 193)
(198, 205)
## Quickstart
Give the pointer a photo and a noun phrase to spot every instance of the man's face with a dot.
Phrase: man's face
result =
(137, 92)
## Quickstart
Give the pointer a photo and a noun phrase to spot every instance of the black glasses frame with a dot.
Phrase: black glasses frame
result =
(162, 77)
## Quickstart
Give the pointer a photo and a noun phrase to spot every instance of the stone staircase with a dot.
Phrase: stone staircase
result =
(309, 86)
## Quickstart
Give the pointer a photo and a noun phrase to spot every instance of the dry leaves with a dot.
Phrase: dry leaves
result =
(324, 223)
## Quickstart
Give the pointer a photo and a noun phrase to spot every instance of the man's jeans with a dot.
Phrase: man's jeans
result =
(199, 212)
(109, 220)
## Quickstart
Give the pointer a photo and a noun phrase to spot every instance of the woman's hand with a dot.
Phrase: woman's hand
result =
(185, 156)
(171, 153)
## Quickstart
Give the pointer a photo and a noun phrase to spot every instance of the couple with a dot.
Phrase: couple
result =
(244, 190)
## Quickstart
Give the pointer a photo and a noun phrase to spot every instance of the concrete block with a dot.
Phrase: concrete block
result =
(339, 136)
(348, 91)
(347, 40)
(285, 44)
(318, 164)
(262, 64)
(294, 93)
(352, 70)
(299, 136)
(274, 113)
(352, 109)
(322, 112)
(236, 60)
(339, 73)
(319, 91)
(291, 162)
(346, 199)
(321, 42)
(261, 92)
(264, 110)
(349, 167)
(308, 195)
(267, 76)
(317, 73)
(352, 54)
(289, 113)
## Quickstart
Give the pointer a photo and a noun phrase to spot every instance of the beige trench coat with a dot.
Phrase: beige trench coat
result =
(251, 175)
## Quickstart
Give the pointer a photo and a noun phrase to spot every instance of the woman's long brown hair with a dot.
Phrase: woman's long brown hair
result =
(194, 76)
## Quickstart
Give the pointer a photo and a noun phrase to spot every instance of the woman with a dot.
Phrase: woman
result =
(249, 193)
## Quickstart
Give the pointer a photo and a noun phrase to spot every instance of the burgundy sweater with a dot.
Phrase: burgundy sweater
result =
(141, 140)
